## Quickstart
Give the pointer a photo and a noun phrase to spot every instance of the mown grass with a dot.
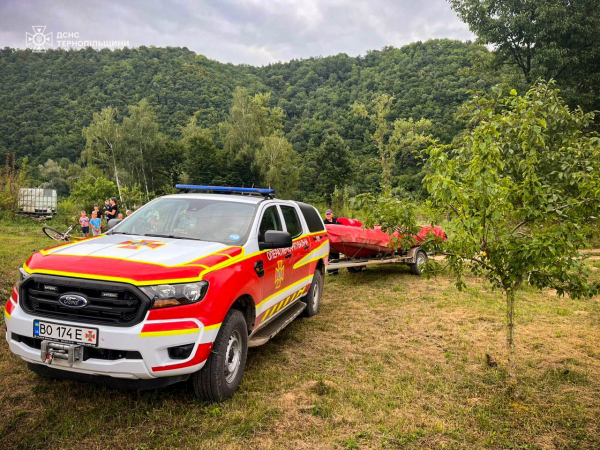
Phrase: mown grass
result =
(391, 361)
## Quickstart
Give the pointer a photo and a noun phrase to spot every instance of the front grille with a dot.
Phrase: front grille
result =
(116, 304)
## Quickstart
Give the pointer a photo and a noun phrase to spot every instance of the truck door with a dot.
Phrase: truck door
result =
(277, 262)
(301, 247)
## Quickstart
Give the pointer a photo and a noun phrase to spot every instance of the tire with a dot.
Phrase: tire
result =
(221, 375)
(313, 298)
(53, 233)
(420, 259)
(356, 269)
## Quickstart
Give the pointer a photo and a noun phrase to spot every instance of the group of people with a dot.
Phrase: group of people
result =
(111, 211)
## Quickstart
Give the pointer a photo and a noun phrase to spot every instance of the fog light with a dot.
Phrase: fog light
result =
(181, 351)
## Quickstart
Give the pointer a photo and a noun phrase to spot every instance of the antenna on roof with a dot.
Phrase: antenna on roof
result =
(267, 193)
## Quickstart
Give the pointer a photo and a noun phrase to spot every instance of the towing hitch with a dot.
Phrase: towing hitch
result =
(72, 353)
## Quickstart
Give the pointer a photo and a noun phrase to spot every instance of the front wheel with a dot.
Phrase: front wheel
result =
(313, 299)
(221, 375)
(54, 234)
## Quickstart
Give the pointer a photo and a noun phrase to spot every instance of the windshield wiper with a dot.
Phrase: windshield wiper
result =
(171, 236)
(122, 232)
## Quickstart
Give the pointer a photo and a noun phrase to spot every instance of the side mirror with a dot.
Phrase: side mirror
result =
(112, 223)
(276, 239)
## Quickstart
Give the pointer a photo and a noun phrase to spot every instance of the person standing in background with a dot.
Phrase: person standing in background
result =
(84, 221)
(112, 212)
(96, 223)
(330, 220)
(106, 208)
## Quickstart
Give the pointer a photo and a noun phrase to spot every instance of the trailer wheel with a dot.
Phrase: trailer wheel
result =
(420, 259)
(355, 269)
(222, 373)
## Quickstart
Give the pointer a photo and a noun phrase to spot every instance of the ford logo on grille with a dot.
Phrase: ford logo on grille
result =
(73, 300)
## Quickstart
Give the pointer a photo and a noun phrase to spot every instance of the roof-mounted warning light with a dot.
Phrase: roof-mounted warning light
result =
(267, 193)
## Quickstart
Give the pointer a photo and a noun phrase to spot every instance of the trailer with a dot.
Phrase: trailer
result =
(38, 202)
(414, 258)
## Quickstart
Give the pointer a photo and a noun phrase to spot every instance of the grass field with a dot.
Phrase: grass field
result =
(391, 361)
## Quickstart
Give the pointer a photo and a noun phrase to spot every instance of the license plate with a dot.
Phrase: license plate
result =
(65, 333)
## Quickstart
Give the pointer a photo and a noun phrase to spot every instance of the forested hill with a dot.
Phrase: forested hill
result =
(47, 98)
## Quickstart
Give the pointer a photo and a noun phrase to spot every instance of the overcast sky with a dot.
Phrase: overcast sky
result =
(239, 31)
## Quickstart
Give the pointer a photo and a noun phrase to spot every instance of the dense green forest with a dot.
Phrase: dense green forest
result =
(47, 101)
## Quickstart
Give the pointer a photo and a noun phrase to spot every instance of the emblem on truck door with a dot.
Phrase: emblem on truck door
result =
(279, 274)
(73, 300)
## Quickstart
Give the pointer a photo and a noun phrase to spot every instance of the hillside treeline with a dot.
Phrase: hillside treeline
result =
(301, 133)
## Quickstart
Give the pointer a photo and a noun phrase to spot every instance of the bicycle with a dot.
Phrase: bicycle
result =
(56, 235)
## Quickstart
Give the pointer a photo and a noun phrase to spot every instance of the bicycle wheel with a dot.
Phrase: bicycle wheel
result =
(54, 234)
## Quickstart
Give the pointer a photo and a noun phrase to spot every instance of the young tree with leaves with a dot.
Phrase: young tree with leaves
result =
(377, 114)
(276, 162)
(143, 141)
(518, 191)
(104, 144)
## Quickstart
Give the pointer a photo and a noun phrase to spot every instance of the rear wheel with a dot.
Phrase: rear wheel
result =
(221, 375)
(420, 260)
(313, 299)
(53, 233)
(355, 269)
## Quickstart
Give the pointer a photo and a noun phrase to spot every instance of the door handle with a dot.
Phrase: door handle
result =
(306, 247)
(289, 255)
(259, 268)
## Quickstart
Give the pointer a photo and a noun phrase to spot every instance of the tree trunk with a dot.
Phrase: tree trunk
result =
(510, 341)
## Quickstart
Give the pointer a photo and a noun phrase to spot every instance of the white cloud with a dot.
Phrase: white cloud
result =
(240, 31)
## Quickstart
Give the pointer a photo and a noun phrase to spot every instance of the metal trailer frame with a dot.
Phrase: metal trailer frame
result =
(409, 258)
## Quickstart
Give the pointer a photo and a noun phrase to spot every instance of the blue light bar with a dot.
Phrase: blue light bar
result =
(226, 189)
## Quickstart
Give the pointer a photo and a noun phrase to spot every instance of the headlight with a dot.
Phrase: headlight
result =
(165, 295)
(20, 278)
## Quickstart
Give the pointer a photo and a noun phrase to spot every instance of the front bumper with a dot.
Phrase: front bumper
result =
(151, 339)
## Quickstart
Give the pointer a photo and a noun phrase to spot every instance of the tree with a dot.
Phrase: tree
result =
(332, 166)
(276, 162)
(408, 140)
(54, 177)
(104, 144)
(250, 119)
(518, 191)
(202, 162)
(87, 193)
(543, 38)
(377, 114)
(143, 142)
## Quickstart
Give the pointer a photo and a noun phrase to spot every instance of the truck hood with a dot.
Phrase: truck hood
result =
(139, 260)
(163, 251)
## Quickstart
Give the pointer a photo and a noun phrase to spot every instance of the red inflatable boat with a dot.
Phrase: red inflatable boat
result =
(348, 237)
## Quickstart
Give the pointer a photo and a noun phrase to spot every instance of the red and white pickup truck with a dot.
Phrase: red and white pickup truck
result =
(179, 289)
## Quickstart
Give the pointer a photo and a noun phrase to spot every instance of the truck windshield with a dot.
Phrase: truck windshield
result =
(200, 219)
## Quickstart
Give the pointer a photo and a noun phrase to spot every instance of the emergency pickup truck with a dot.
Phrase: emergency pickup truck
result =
(180, 289)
